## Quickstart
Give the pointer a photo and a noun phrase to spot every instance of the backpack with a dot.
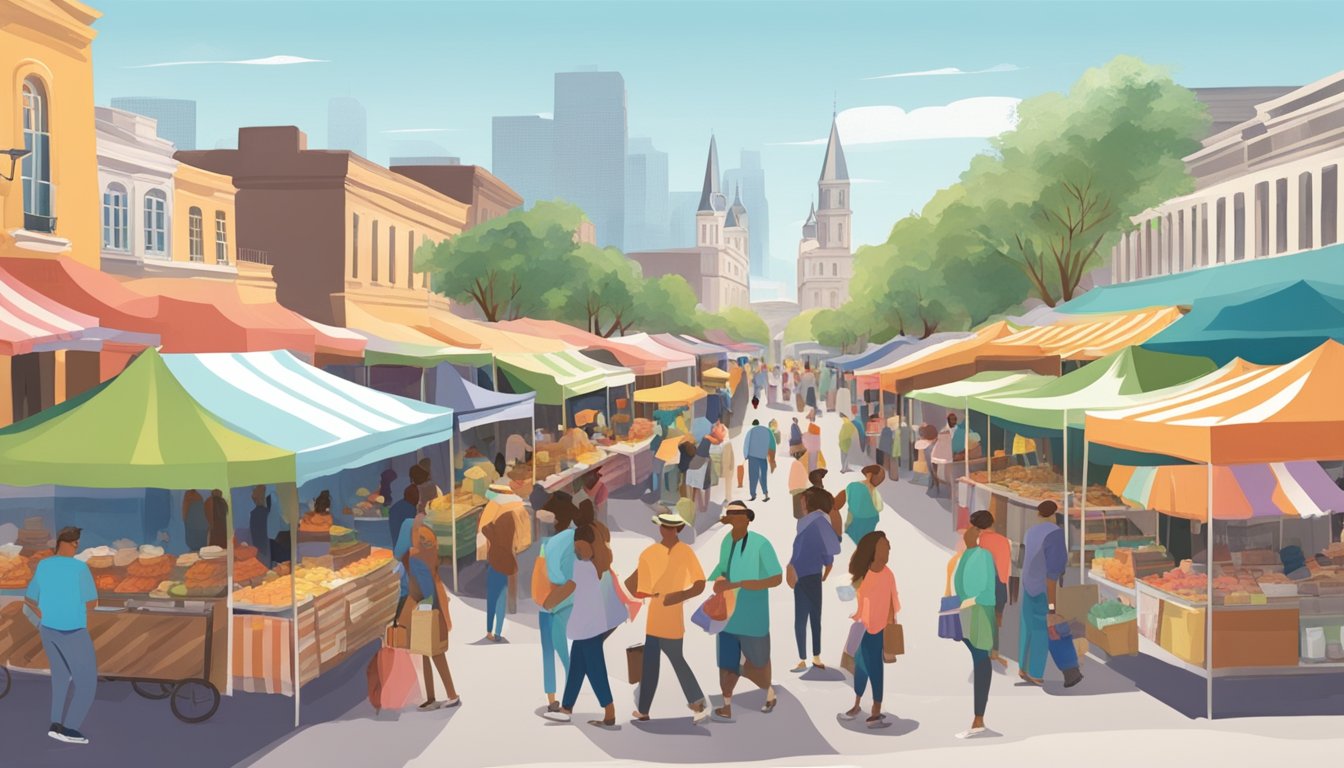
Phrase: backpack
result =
(541, 583)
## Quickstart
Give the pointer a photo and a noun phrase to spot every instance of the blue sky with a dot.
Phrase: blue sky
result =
(761, 75)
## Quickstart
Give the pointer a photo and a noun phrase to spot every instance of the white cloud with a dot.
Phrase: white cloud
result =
(945, 71)
(979, 117)
(419, 130)
(269, 61)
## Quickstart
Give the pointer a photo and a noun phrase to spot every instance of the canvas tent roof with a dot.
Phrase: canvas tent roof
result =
(558, 376)
(474, 406)
(957, 394)
(1243, 491)
(1092, 338)
(676, 393)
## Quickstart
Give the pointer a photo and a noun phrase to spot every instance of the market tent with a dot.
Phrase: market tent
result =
(638, 360)
(959, 358)
(474, 406)
(721, 338)
(329, 423)
(671, 358)
(390, 343)
(870, 356)
(1285, 412)
(1101, 384)
(1091, 338)
(1243, 491)
(466, 333)
(558, 376)
(28, 319)
(1321, 265)
(691, 346)
(676, 393)
(1263, 325)
(956, 394)
(142, 429)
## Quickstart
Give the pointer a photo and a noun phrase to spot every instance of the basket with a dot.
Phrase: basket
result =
(1278, 590)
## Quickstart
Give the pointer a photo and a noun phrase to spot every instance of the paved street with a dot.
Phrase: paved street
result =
(1149, 707)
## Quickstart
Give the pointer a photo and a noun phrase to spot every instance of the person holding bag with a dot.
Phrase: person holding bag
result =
(975, 582)
(748, 567)
(418, 549)
(878, 606)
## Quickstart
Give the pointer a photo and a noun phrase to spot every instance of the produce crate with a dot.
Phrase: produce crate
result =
(344, 556)
(1116, 639)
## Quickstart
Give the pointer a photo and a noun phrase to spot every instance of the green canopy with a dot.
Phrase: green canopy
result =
(141, 430)
(956, 394)
(1105, 383)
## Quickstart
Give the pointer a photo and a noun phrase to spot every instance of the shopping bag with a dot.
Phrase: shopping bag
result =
(949, 624)
(634, 663)
(392, 680)
(1062, 649)
(741, 474)
(429, 636)
(701, 619)
(397, 637)
(893, 641)
(541, 583)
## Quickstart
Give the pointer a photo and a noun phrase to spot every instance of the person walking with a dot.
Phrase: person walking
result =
(878, 606)
(795, 438)
(749, 568)
(974, 583)
(60, 595)
(403, 509)
(258, 524)
(847, 436)
(864, 502)
(1044, 561)
(759, 447)
(557, 554)
(812, 445)
(589, 627)
(1001, 549)
(496, 546)
(668, 575)
(773, 381)
(759, 381)
(815, 546)
(809, 388)
(417, 549)
(728, 469)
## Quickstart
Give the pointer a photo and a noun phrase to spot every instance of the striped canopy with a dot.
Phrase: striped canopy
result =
(1284, 412)
(672, 359)
(639, 360)
(959, 358)
(391, 343)
(1093, 337)
(558, 376)
(27, 318)
(1292, 489)
(330, 424)
(956, 394)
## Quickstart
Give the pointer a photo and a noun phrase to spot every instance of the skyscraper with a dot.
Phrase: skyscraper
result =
(177, 117)
(750, 177)
(681, 218)
(590, 148)
(347, 126)
(522, 155)
(646, 222)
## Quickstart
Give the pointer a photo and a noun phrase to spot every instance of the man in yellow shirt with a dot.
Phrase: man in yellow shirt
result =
(668, 575)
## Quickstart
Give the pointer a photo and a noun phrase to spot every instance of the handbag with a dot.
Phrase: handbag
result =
(718, 608)
(949, 625)
(893, 641)
(634, 663)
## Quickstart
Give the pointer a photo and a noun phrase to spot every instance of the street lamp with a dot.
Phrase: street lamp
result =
(14, 156)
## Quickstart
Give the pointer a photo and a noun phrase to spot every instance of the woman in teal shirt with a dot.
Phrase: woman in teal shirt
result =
(863, 501)
(975, 582)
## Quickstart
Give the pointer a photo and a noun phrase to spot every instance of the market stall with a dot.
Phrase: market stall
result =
(677, 366)
(706, 355)
(1266, 416)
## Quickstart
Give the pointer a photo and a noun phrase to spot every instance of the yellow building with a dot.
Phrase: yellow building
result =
(46, 108)
(203, 217)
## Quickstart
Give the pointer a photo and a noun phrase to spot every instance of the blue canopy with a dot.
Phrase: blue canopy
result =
(866, 358)
(330, 424)
(899, 352)
(1268, 325)
(474, 406)
(1321, 265)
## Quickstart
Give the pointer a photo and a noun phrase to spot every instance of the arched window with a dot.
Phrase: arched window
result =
(156, 222)
(36, 178)
(221, 238)
(116, 218)
(195, 235)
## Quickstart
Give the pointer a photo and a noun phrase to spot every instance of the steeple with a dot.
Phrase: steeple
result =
(711, 199)
(834, 169)
(736, 211)
(810, 226)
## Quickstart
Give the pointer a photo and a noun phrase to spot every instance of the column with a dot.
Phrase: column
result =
(1317, 206)
(1294, 201)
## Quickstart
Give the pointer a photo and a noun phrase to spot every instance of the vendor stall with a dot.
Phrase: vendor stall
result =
(706, 355)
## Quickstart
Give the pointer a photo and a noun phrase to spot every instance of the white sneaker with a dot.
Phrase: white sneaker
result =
(972, 733)
(557, 716)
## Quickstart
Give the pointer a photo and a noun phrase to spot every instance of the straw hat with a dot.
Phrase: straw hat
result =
(501, 488)
(667, 517)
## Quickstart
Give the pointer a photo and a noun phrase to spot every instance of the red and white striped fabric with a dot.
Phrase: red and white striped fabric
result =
(27, 318)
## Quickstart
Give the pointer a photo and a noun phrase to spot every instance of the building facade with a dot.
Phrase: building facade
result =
(51, 204)
(1266, 187)
(750, 177)
(335, 227)
(174, 118)
(347, 125)
(589, 149)
(488, 197)
(522, 153)
(825, 258)
(135, 176)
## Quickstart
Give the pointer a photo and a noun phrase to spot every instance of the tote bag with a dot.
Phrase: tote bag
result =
(949, 625)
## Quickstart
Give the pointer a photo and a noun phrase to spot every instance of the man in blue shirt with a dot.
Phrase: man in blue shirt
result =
(553, 623)
(759, 447)
(1043, 564)
(814, 549)
(61, 595)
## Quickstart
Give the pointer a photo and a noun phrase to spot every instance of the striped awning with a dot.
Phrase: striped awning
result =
(29, 319)
(1093, 337)
(558, 376)
(1241, 492)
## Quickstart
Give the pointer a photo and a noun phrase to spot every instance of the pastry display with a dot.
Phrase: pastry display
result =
(15, 572)
(1043, 483)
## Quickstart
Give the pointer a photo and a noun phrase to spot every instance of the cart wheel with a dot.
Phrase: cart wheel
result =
(151, 690)
(194, 700)
(4, 681)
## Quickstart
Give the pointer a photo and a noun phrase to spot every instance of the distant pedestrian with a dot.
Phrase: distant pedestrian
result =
(589, 626)
(403, 509)
(974, 582)
(1044, 561)
(815, 546)
(863, 501)
(258, 524)
(498, 533)
(1001, 549)
(61, 594)
(194, 523)
(848, 434)
(812, 444)
(773, 380)
(759, 447)
(843, 400)
(668, 575)
(748, 568)
(878, 606)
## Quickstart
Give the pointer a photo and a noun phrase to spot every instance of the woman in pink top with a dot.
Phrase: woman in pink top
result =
(878, 606)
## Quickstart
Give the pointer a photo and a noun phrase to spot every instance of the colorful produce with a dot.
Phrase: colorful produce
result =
(1113, 569)
(15, 572)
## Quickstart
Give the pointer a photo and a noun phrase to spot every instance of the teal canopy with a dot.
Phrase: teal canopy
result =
(1267, 326)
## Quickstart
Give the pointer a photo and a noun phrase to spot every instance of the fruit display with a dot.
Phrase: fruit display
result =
(207, 575)
(15, 572)
(315, 522)
(640, 430)
(275, 591)
(1042, 484)
(1112, 569)
(367, 505)
(151, 567)
(1232, 586)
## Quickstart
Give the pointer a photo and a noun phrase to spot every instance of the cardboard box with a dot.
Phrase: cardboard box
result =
(1259, 638)
(1182, 633)
(1073, 603)
(1117, 639)
(428, 637)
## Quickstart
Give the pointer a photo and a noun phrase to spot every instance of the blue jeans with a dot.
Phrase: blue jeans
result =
(758, 470)
(74, 674)
(587, 660)
(982, 675)
(807, 610)
(1033, 643)
(496, 595)
(553, 626)
(868, 665)
(654, 649)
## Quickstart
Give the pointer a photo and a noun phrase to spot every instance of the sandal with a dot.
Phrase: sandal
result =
(849, 714)
(718, 716)
(638, 718)
(818, 665)
(603, 724)
(770, 705)
(430, 706)
(877, 721)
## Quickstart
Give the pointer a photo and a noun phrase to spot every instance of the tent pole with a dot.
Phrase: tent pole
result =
(1064, 467)
(533, 442)
(422, 386)
(452, 510)
(1208, 604)
(228, 606)
(1082, 514)
(289, 510)
(989, 449)
(494, 373)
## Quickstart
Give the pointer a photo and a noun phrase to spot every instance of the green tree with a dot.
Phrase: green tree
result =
(799, 328)
(741, 324)
(667, 305)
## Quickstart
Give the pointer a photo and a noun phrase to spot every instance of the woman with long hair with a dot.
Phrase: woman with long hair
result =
(863, 501)
(878, 605)
(418, 549)
(589, 626)
(975, 581)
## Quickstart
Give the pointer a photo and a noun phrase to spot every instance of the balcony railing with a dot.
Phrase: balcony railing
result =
(254, 256)
(39, 206)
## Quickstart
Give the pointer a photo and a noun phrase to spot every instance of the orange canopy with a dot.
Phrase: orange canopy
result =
(462, 332)
(641, 362)
(1093, 337)
(961, 358)
(1276, 413)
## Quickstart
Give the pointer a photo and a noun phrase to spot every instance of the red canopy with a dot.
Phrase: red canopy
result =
(27, 318)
